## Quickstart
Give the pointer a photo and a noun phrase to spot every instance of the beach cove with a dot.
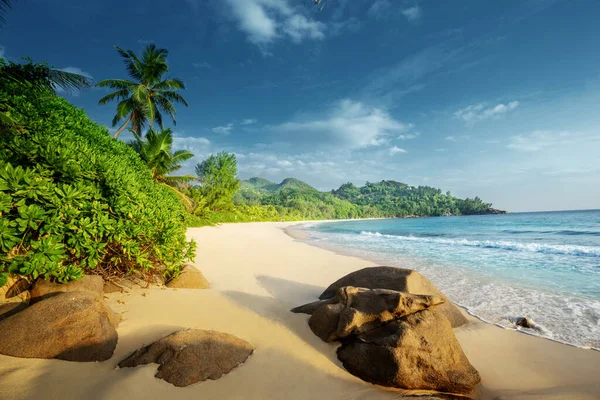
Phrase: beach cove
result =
(257, 274)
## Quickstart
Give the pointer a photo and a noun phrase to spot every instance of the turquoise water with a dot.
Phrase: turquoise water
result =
(544, 266)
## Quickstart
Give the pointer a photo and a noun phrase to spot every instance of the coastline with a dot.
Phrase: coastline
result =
(257, 274)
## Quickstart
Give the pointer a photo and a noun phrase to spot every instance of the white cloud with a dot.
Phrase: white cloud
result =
(285, 163)
(202, 64)
(299, 27)
(457, 138)
(179, 141)
(412, 14)
(78, 71)
(395, 150)
(224, 130)
(249, 121)
(540, 140)
(480, 111)
(409, 136)
(379, 8)
(350, 123)
(267, 20)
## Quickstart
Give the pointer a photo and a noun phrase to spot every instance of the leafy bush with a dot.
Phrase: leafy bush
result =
(73, 200)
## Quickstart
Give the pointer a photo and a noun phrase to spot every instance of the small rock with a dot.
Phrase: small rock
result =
(191, 356)
(14, 287)
(72, 326)
(189, 278)
(43, 289)
(524, 322)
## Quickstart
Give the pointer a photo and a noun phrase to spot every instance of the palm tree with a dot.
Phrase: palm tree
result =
(156, 152)
(143, 99)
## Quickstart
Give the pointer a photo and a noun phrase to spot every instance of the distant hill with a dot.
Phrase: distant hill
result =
(382, 199)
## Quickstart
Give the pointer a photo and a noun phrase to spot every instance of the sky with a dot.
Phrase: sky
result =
(496, 99)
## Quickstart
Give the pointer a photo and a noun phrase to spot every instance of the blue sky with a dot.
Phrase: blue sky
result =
(488, 98)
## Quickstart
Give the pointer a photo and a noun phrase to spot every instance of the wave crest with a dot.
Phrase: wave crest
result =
(572, 250)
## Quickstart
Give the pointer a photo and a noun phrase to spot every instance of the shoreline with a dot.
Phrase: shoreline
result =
(257, 274)
(295, 231)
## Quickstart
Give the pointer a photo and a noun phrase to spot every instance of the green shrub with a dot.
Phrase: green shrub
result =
(73, 200)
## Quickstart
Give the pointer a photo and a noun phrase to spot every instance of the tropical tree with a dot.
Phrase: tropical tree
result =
(149, 94)
(156, 150)
(217, 174)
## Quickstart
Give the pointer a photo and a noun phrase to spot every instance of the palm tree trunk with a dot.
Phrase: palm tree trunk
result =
(118, 132)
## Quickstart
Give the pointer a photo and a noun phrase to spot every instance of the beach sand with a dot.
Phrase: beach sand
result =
(257, 273)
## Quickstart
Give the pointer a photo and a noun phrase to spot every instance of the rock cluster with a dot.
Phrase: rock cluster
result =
(64, 321)
(190, 356)
(396, 331)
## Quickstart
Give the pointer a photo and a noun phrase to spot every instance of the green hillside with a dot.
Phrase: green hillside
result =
(295, 199)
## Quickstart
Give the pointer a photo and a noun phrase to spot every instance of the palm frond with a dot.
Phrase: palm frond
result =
(118, 95)
(117, 84)
(187, 202)
(132, 63)
(173, 96)
(69, 81)
(170, 84)
(5, 5)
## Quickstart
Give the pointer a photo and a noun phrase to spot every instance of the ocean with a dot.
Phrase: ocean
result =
(544, 266)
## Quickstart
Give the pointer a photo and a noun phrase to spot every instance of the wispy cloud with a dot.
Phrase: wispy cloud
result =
(265, 21)
(348, 123)
(540, 140)
(249, 121)
(413, 14)
(481, 111)
(409, 136)
(395, 150)
(457, 138)
(224, 129)
(201, 64)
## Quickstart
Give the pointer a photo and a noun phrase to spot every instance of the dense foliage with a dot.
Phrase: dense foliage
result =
(73, 200)
(295, 199)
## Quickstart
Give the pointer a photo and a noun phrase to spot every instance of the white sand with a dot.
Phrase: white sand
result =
(257, 274)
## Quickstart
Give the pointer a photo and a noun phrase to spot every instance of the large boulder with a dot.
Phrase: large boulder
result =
(72, 326)
(189, 278)
(191, 356)
(43, 288)
(416, 352)
(358, 310)
(401, 280)
(11, 308)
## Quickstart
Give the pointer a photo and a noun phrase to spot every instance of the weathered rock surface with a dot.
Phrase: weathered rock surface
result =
(44, 289)
(11, 308)
(418, 351)
(72, 326)
(189, 278)
(401, 280)
(358, 310)
(191, 356)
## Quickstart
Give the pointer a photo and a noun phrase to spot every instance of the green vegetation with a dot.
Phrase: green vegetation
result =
(217, 175)
(73, 200)
(143, 100)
